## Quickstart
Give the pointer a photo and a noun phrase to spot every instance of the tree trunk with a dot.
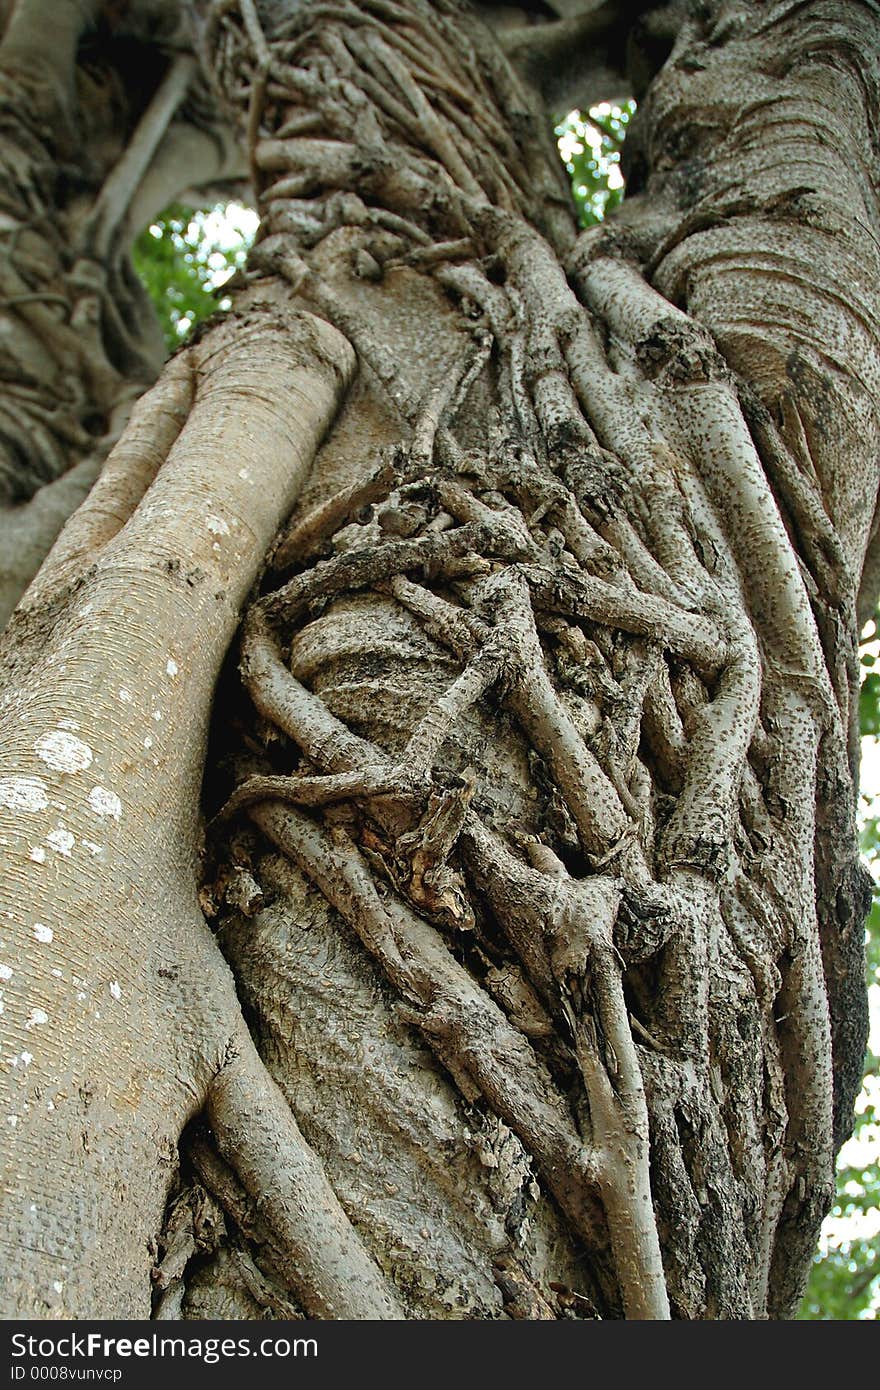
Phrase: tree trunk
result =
(100, 131)
(532, 984)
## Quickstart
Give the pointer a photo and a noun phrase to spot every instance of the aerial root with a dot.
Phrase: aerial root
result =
(486, 1055)
(563, 931)
(335, 863)
(315, 791)
(333, 1274)
(284, 701)
(445, 401)
(361, 569)
(303, 539)
(590, 978)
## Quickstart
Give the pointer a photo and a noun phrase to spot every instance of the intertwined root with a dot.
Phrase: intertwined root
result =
(526, 622)
(585, 532)
(410, 827)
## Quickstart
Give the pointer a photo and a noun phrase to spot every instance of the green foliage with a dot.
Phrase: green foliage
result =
(590, 145)
(869, 696)
(183, 259)
(869, 704)
(845, 1279)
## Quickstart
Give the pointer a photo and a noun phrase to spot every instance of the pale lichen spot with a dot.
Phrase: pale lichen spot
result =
(217, 526)
(38, 854)
(105, 803)
(124, 695)
(172, 667)
(157, 715)
(63, 751)
(23, 794)
(43, 933)
(50, 1105)
(57, 1285)
(12, 1120)
(148, 742)
(115, 989)
(244, 475)
(26, 1058)
(61, 840)
(92, 847)
(68, 724)
(58, 974)
(5, 972)
(36, 1018)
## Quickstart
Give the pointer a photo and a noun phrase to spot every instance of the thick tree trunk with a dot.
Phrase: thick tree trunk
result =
(98, 135)
(531, 853)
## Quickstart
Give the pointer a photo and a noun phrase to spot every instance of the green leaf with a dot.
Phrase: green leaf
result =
(869, 704)
(590, 147)
(844, 1282)
(184, 257)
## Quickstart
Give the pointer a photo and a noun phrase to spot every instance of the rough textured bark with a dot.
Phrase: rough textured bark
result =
(530, 849)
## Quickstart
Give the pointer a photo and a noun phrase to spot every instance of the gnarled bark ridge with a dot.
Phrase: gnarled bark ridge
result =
(533, 851)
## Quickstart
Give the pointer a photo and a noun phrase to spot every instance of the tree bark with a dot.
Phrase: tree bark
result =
(530, 850)
(101, 129)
